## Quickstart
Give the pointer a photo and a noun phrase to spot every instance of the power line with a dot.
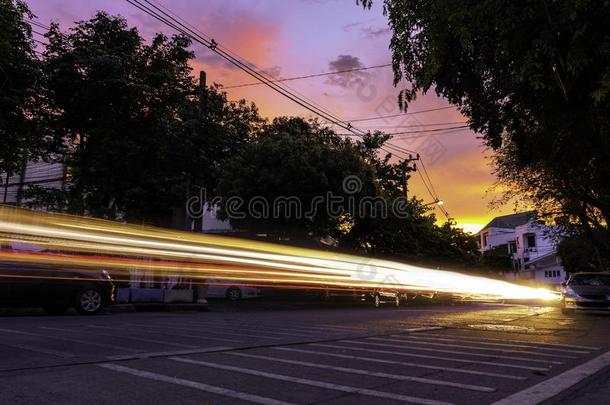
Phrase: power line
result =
(422, 130)
(260, 76)
(213, 46)
(400, 114)
(336, 72)
(430, 124)
(39, 25)
(241, 60)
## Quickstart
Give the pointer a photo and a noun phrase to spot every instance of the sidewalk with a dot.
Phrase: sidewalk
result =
(592, 391)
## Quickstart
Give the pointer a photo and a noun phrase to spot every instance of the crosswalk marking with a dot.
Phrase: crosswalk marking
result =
(147, 355)
(427, 349)
(262, 327)
(79, 341)
(194, 385)
(425, 356)
(401, 363)
(205, 334)
(423, 328)
(369, 373)
(314, 383)
(42, 350)
(255, 329)
(430, 336)
(422, 342)
(568, 346)
(159, 331)
(138, 339)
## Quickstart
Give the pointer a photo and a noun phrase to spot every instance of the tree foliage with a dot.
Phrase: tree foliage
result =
(296, 161)
(302, 162)
(128, 113)
(534, 79)
(21, 85)
(125, 118)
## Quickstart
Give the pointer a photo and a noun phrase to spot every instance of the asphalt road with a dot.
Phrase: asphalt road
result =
(465, 354)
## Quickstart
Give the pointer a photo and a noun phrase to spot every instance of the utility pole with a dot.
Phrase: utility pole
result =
(6, 187)
(203, 97)
(200, 289)
(407, 168)
(203, 110)
(191, 224)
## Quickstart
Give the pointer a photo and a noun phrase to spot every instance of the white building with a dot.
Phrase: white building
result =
(529, 244)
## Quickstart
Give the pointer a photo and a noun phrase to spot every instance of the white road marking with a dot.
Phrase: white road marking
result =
(369, 373)
(194, 385)
(422, 342)
(314, 383)
(568, 346)
(425, 356)
(338, 327)
(423, 329)
(258, 327)
(401, 363)
(554, 386)
(51, 352)
(211, 331)
(427, 349)
(170, 330)
(249, 331)
(79, 341)
(430, 336)
(147, 355)
(159, 342)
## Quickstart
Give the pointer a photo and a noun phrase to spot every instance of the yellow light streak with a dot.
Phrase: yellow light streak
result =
(84, 243)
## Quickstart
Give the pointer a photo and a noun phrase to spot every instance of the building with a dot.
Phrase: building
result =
(530, 245)
(43, 174)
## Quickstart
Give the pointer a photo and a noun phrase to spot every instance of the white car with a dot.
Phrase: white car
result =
(231, 290)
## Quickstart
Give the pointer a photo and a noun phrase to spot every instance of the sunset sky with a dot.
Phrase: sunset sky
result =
(294, 38)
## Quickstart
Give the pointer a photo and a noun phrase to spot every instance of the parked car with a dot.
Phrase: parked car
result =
(375, 297)
(231, 290)
(381, 297)
(586, 291)
(55, 290)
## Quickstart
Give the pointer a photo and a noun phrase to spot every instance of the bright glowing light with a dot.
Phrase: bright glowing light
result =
(91, 245)
(470, 228)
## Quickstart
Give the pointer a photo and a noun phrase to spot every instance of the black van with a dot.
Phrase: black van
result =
(55, 290)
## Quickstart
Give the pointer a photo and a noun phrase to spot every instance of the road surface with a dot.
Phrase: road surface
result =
(464, 354)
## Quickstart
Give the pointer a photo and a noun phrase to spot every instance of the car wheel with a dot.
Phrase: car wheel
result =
(234, 294)
(377, 301)
(564, 310)
(89, 301)
(55, 310)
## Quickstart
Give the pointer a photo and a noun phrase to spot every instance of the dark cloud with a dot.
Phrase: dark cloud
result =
(373, 33)
(349, 27)
(344, 62)
(273, 71)
(367, 32)
(347, 79)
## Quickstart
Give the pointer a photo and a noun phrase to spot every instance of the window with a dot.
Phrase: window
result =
(484, 238)
(590, 280)
(530, 240)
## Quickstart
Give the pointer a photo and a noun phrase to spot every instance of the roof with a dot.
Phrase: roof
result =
(511, 221)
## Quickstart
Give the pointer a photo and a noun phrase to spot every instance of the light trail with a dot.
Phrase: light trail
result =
(58, 241)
